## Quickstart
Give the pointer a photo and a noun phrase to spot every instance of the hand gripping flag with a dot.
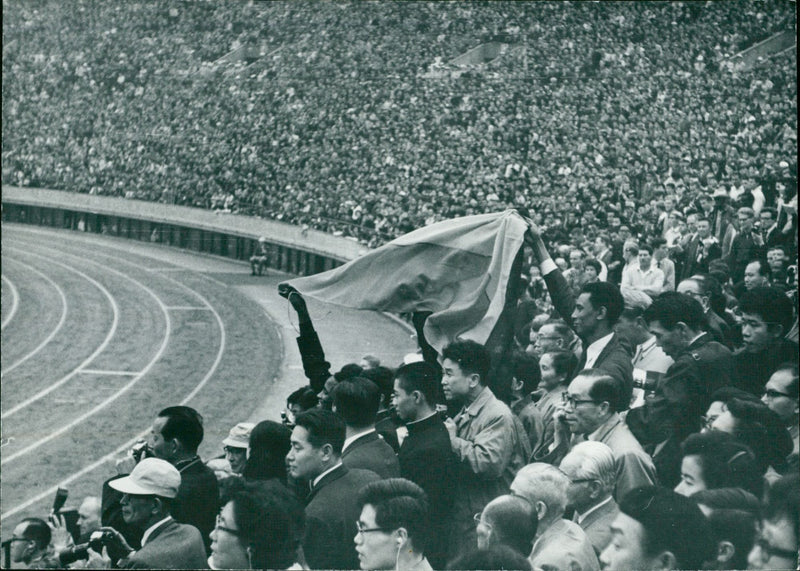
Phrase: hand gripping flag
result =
(457, 269)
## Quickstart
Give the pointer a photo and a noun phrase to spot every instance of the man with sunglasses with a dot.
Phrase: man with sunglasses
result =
(147, 496)
(781, 396)
(590, 411)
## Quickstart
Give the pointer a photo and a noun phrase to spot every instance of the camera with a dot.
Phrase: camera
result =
(81, 552)
(140, 450)
(646, 380)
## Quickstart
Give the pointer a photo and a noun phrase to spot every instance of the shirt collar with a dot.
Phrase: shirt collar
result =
(593, 351)
(431, 415)
(325, 473)
(584, 515)
(349, 441)
(482, 398)
(149, 531)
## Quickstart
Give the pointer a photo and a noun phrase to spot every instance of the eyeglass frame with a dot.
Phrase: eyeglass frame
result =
(568, 399)
(217, 526)
(479, 521)
(360, 530)
(768, 550)
(775, 394)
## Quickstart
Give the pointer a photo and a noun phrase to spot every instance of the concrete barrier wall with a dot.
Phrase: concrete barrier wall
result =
(294, 249)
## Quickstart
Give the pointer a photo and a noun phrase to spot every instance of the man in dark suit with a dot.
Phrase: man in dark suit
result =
(332, 506)
(148, 494)
(357, 401)
(592, 316)
(591, 469)
(426, 457)
(175, 436)
(701, 249)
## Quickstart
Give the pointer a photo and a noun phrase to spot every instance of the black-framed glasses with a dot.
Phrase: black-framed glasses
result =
(220, 527)
(769, 551)
(568, 399)
(773, 394)
(582, 480)
(362, 530)
(478, 520)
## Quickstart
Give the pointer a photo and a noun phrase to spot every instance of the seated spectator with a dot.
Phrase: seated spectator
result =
(753, 424)
(658, 529)
(494, 557)
(259, 527)
(269, 444)
(332, 509)
(781, 396)
(30, 541)
(777, 544)
(590, 410)
(507, 520)
(148, 493)
(645, 277)
(356, 401)
(235, 446)
(556, 370)
(393, 526)
(591, 470)
(734, 533)
(560, 544)
(260, 259)
(716, 460)
(767, 316)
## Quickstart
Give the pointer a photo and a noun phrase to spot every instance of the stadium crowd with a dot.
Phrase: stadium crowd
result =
(651, 421)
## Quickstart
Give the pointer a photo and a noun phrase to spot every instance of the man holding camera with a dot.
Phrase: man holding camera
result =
(147, 497)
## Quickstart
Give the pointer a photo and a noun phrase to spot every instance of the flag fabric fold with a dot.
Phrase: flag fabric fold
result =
(458, 269)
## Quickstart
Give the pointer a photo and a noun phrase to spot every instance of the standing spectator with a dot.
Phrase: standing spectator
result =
(525, 380)
(357, 401)
(746, 246)
(260, 259)
(663, 263)
(757, 274)
(331, 508)
(269, 444)
(701, 249)
(482, 436)
(703, 288)
(591, 469)
(560, 543)
(556, 369)
(426, 456)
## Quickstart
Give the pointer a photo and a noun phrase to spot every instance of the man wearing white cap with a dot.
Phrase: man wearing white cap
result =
(148, 492)
(235, 447)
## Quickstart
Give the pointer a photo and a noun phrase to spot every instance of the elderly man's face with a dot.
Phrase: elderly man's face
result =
(753, 277)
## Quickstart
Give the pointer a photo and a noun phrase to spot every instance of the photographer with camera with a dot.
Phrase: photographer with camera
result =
(148, 494)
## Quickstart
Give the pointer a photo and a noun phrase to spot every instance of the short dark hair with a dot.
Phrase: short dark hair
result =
(763, 267)
(783, 497)
(357, 401)
(399, 503)
(728, 499)
(725, 462)
(514, 522)
(184, 424)
(791, 368)
(772, 212)
(383, 377)
(770, 304)
(760, 428)
(495, 557)
(605, 294)
(592, 263)
(561, 329)
(349, 371)
(472, 358)
(656, 243)
(564, 363)
(304, 397)
(37, 531)
(646, 248)
(269, 519)
(324, 427)
(671, 523)
(269, 445)
(671, 307)
(526, 369)
(422, 377)
(737, 527)
(604, 389)
(726, 393)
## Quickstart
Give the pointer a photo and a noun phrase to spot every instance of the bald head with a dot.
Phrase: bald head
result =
(545, 488)
(512, 522)
(89, 515)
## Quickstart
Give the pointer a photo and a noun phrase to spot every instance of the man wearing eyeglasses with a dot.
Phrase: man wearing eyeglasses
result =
(590, 411)
(29, 544)
(147, 496)
(767, 315)
(777, 543)
(781, 396)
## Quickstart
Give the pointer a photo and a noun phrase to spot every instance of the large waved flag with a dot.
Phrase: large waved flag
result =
(458, 269)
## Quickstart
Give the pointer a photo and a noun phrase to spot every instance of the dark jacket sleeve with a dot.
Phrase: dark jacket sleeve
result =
(561, 295)
(315, 367)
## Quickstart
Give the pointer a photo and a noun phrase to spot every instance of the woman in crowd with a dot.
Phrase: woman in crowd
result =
(556, 369)
(269, 444)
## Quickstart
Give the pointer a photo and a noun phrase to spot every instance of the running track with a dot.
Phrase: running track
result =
(99, 333)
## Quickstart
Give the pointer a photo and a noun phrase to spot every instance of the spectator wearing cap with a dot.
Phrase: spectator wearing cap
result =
(658, 529)
(676, 402)
(260, 259)
(591, 469)
(592, 315)
(767, 316)
(235, 448)
(148, 493)
(646, 277)
(356, 401)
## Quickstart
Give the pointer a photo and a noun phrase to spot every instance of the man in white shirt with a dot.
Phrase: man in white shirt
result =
(645, 278)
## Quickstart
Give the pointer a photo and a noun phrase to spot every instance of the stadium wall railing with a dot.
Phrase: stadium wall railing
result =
(295, 250)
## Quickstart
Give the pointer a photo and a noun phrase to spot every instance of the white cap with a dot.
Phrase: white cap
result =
(150, 477)
(239, 435)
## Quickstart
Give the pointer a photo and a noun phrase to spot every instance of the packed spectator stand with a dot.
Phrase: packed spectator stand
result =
(653, 411)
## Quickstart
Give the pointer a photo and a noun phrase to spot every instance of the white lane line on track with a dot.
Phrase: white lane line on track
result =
(186, 308)
(109, 373)
(125, 388)
(46, 494)
(61, 320)
(89, 359)
(14, 302)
